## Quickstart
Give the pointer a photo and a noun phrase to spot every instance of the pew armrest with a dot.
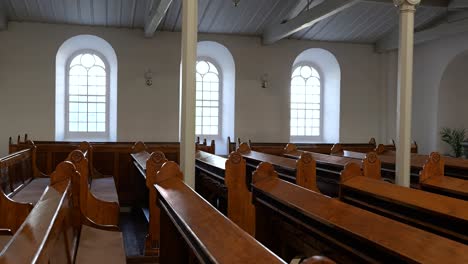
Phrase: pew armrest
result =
(17, 212)
(5, 232)
(102, 212)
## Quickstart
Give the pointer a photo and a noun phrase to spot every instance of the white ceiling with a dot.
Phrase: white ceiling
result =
(365, 22)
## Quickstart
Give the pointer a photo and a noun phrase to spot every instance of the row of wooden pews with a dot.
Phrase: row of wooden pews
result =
(55, 230)
(325, 148)
(185, 228)
(81, 212)
(431, 176)
(291, 220)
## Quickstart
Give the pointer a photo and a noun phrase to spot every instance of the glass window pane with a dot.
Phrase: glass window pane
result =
(101, 127)
(82, 127)
(101, 117)
(101, 108)
(92, 117)
(92, 127)
(73, 127)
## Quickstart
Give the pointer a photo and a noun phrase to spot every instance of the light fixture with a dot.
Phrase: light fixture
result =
(264, 79)
(149, 77)
(236, 2)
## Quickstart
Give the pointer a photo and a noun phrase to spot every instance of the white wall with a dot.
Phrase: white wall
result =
(27, 79)
(430, 62)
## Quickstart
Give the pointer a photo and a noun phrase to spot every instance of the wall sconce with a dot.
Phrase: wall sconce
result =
(236, 2)
(149, 77)
(264, 79)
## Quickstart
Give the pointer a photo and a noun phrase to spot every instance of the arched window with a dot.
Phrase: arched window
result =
(87, 96)
(315, 97)
(86, 90)
(305, 102)
(207, 98)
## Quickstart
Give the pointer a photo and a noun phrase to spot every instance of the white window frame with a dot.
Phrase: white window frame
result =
(307, 139)
(91, 136)
(220, 97)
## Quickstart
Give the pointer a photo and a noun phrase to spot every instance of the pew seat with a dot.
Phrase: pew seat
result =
(32, 191)
(104, 189)
(110, 249)
(4, 239)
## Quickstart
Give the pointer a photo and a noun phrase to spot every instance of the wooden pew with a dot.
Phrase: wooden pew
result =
(148, 165)
(109, 158)
(325, 148)
(204, 146)
(98, 199)
(332, 165)
(431, 178)
(195, 232)
(20, 179)
(50, 232)
(223, 183)
(291, 220)
(435, 213)
(231, 145)
(301, 172)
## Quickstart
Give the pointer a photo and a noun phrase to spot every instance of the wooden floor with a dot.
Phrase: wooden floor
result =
(134, 227)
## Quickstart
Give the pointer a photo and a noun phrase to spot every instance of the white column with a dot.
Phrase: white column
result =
(187, 98)
(405, 89)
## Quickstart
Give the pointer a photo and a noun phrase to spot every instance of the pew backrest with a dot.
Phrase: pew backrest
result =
(47, 235)
(208, 238)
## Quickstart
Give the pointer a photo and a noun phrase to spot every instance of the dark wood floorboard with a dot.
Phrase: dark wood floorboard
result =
(134, 228)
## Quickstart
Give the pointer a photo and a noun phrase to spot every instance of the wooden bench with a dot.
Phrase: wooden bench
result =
(21, 186)
(109, 158)
(432, 178)
(301, 172)
(325, 148)
(20, 179)
(98, 199)
(291, 220)
(193, 231)
(435, 213)
(332, 165)
(205, 147)
(50, 232)
(223, 183)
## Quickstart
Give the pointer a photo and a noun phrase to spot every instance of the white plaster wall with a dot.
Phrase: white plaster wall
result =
(430, 61)
(27, 79)
(453, 93)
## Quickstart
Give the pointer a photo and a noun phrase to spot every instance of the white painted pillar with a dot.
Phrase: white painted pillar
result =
(187, 98)
(405, 90)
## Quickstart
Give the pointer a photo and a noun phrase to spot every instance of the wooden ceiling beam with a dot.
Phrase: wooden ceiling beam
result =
(305, 19)
(155, 16)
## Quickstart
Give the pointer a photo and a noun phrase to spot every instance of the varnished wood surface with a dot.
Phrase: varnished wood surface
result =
(415, 198)
(140, 158)
(43, 223)
(324, 158)
(222, 240)
(455, 186)
(211, 159)
(405, 241)
(273, 159)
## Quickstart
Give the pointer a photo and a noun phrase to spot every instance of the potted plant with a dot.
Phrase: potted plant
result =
(454, 137)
